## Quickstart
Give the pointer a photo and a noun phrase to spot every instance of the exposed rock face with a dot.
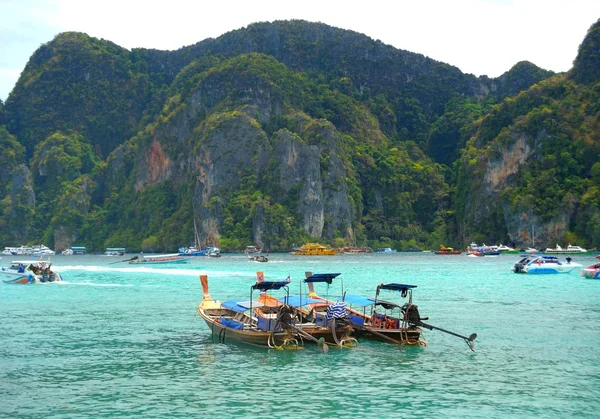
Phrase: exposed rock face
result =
(498, 174)
(299, 165)
(155, 166)
(228, 145)
(527, 229)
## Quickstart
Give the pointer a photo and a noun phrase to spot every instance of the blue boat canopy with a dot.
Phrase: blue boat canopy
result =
(299, 300)
(269, 285)
(396, 287)
(233, 305)
(321, 278)
(357, 300)
(240, 306)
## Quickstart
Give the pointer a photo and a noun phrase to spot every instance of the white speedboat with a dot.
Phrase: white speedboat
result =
(544, 265)
(29, 272)
(569, 250)
(504, 248)
(10, 251)
(385, 251)
(42, 250)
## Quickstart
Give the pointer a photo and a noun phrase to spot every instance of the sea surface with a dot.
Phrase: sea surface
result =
(120, 340)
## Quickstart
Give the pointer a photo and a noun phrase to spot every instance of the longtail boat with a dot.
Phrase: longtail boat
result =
(160, 259)
(265, 322)
(367, 320)
(397, 323)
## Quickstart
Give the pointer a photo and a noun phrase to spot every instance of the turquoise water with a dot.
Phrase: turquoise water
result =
(123, 340)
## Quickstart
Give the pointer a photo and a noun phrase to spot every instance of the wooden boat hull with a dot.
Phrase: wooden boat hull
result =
(410, 336)
(249, 337)
(267, 339)
(30, 278)
(149, 261)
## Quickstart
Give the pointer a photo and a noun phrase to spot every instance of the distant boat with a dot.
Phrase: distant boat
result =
(213, 252)
(385, 251)
(592, 271)
(196, 249)
(42, 250)
(258, 258)
(352, 250)
(252, 250)
(74, 250)
(114, 251)
(314, 249)
(158, 259)
(447, 251)
(544, 265)
(569, 250)
(478, 251)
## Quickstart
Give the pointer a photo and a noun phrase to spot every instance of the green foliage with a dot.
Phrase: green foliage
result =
(586, 68)
(450, 132)
(12, 154)
(85, 113)
(559, 122)
(80, 83)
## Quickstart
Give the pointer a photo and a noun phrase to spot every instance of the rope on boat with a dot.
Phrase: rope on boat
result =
(346, 341)
(284, 319)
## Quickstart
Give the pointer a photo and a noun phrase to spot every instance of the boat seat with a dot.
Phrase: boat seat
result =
(229, 322)
(357, 319)
(267, 325)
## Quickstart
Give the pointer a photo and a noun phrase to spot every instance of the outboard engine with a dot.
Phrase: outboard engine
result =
(411, 314)
(519, 268)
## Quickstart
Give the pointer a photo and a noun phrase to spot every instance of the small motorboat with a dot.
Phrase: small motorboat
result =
(484, 250)
(544, 265)
(258, 258)
(29, 272)
(254, 254)
(385, 251)
(592, 271)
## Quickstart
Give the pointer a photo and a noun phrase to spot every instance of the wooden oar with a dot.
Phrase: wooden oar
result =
(469, 340)
(121, 261)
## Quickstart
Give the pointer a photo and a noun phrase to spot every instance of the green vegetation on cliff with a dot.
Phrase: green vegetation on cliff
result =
(286, 132)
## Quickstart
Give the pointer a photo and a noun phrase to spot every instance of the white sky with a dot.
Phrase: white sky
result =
(477, 36)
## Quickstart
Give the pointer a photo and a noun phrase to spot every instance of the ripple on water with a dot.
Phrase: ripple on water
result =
(125, 341)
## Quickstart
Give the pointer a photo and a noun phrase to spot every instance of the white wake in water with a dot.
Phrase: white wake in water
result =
(147, 270)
